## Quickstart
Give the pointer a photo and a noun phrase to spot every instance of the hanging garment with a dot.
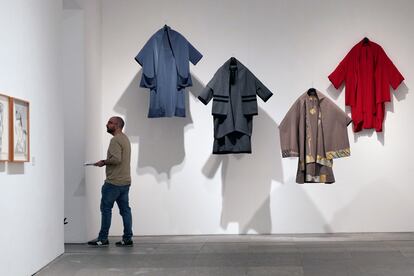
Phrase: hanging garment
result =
(233, 89)
(368, 73)
(315, 130)
(166, 71)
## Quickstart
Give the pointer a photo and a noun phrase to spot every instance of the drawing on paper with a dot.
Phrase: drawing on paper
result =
(1, 126)
(20, 130)
(4, 128)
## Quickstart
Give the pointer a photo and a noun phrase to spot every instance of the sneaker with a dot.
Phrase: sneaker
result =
(99, 243)
(125, 243)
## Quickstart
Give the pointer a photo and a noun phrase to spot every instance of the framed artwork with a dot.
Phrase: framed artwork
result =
(19, 131)
(4, 128)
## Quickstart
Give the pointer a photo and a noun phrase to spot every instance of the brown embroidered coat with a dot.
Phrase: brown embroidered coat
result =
(315, 130)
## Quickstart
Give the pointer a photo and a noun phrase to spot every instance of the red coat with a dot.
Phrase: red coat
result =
(368, 73)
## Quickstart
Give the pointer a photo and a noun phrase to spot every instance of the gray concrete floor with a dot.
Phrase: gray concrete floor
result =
(376, 254)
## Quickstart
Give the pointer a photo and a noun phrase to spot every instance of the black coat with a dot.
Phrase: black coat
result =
(233, 90)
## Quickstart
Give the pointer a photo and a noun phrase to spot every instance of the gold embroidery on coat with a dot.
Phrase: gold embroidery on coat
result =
(338, 153)
(309, 159)
(319, 159)
(312, 110)
(324, 161)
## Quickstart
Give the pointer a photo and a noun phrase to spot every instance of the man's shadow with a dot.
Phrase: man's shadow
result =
(247, 179)
(161, 140)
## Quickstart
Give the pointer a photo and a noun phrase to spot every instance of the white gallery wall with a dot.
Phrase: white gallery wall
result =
(31, 209)
(81, 51)
(73, 61)
(180, 188)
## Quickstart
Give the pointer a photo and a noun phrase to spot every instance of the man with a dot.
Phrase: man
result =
(117, 183)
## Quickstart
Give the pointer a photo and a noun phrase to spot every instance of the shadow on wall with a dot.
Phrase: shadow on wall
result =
(382, 212)
(161, 140)
(291, 203)
(80, 190)
(334, 93)
(247, 179)
(400, 94)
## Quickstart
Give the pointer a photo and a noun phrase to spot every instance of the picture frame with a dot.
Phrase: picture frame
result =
(19, 130)
(4, 128)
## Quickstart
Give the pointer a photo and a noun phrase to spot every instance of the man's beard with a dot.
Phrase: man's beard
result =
(111, 131)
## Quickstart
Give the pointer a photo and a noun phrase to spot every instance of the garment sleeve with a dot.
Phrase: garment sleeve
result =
(393, 75)
(206, 95)
(289, 132)
(344, 119)
(347, 120)
(338, 76)
(114, 153)
(140, 57)
(336, 138)
(386, 74)
(262, 91)
(145, 59)
(193, 54)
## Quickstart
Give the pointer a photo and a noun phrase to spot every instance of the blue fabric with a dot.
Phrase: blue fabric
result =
(166, 71)
(111, 194)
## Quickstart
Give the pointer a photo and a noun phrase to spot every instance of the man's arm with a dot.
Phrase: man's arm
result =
(100, 163)
(114, 155)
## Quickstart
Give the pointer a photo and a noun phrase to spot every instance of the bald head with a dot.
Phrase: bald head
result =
(119, 121)
(115, 125)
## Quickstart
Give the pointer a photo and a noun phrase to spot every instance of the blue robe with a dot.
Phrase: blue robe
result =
(166, 71)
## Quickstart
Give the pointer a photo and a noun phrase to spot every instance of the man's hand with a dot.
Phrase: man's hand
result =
(100, 163)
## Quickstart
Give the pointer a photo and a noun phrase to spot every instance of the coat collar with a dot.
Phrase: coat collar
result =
(178, 48)
(225, 73)
(226, 65)
(319, 94)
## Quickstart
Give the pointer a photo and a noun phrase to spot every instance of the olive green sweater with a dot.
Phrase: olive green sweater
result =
(118, 160)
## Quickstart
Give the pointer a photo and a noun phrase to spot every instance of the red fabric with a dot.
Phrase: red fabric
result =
(368, 73)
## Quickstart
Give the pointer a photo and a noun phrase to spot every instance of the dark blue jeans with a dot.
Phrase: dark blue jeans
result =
(119, 194)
